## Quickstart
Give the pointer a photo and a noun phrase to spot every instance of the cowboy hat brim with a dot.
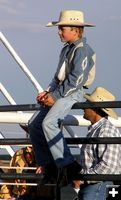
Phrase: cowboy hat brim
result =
(51, 24)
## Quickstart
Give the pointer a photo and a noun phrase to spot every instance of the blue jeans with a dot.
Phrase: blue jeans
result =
(46, 135)
(94, 191)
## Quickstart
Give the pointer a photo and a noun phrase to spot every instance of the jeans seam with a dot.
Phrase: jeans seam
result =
(98, 189)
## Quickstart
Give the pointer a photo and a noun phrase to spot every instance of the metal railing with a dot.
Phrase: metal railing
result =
(85, 177)
(36, 177)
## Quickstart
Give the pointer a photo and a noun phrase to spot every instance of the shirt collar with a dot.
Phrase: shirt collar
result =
(97, 124)
(83, 40)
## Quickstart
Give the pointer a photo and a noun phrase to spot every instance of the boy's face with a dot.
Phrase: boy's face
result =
(68, 34)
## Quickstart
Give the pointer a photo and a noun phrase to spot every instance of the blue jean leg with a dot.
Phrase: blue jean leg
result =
(94, 191)
(54, 136)
(42, 153)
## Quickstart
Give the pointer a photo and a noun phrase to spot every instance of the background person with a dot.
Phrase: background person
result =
(99, 158)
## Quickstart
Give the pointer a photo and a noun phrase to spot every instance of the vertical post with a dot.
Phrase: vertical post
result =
(58, 192)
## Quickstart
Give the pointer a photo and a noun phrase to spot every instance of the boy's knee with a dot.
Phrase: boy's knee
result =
(45, 124)
(49, 123)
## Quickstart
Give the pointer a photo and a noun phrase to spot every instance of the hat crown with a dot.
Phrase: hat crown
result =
(101, 94)
(71, 16)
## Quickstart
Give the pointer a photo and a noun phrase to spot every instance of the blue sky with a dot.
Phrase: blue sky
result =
(23, 24)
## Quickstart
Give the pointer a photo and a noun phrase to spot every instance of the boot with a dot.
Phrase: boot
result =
(68, 173)
(49, 174)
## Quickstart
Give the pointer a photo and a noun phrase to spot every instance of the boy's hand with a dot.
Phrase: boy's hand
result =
(41, 96)
(45, 99)
(49, 101)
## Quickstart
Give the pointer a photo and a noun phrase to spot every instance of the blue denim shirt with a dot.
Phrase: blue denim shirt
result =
(72, 75)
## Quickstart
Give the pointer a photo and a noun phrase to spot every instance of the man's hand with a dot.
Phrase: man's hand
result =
(76, 184)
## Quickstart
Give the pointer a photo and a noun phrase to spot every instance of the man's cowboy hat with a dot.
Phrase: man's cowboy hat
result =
(99, 95)
(70, 18)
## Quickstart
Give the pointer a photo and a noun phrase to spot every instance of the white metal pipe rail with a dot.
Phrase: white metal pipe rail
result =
(9, 116)
(20, 62)
(70, 120)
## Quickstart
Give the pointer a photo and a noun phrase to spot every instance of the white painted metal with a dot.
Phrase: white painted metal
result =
(20, 63)
(78, 120)
(11, 101)
(27, 184)
(12, 167)
(8, 148)
(14, 117)
(7, 95)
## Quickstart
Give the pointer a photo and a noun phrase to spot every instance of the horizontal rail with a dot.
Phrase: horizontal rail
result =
(12, 167)
(27, 184)
(79, 140)
(12, 183)
(37, 177)
(106, 104)
(106, 140)
(70, 120)
(99, 177)
(82, 105)
(13, 141)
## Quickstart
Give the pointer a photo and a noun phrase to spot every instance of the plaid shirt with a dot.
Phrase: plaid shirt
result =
(101, 158)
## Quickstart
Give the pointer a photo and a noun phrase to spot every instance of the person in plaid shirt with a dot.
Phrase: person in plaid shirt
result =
(99, 158)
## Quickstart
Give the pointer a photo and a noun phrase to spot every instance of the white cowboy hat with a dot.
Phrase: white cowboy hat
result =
(70, 18)
(99, 95)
